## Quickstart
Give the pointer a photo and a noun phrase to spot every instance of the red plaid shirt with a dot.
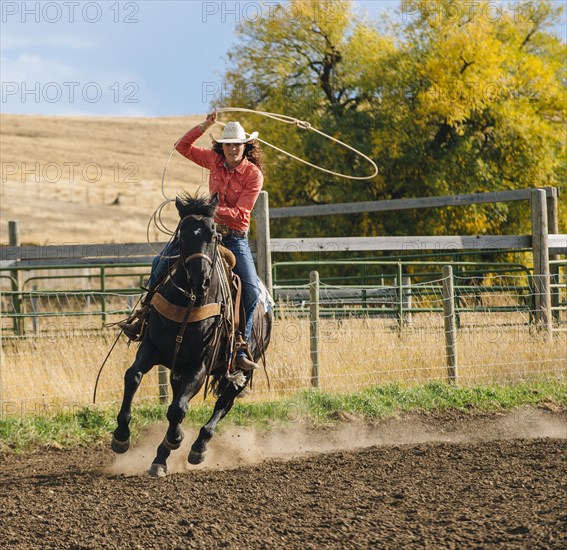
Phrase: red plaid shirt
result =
(238, 189)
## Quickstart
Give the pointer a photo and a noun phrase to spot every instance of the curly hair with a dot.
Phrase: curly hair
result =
(252, 152)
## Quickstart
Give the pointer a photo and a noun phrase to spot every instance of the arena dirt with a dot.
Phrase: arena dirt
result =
(430, 481)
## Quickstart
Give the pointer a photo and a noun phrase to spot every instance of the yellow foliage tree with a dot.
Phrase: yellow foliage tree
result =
(446, 101)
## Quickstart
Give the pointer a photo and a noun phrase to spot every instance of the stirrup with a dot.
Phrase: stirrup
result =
(131, 330)
(134, 326)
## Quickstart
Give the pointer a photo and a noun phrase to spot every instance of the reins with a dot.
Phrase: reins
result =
(108, 355)
(157, 220)
(185, 262)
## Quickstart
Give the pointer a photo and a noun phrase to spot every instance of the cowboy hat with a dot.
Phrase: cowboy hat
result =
(234, 133)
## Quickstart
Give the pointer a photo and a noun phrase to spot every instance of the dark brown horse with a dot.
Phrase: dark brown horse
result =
(195, 345)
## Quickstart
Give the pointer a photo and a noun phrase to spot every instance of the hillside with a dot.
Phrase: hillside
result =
(60, 176)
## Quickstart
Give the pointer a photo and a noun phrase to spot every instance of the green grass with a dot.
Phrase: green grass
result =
(93, 426)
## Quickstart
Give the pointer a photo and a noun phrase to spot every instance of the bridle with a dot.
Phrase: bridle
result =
(190, 294)
(195, 256)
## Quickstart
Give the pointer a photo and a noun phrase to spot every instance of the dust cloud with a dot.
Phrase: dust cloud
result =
(235, 447)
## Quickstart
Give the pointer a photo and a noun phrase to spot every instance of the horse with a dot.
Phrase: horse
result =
(196, 344)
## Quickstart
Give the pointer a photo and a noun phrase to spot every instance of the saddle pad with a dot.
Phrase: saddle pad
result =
(177, 313)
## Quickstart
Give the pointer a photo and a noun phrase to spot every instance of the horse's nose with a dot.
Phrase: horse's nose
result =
(206, 284)
(200, 287)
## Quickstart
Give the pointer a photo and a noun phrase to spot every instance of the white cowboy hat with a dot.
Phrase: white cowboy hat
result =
(234, 133)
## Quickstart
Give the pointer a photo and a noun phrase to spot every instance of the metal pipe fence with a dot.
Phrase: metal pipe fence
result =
(22, 305)
(405, 288)
(361, 334)
(399, 290)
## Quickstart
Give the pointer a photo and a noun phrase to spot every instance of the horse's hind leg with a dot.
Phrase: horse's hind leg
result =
(183, 391)
(222, 407)
(132, 379)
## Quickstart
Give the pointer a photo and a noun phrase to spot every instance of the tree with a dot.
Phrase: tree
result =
(486, 100)
(445, 102)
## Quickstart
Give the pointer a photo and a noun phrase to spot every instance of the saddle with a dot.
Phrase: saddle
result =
(228, 257)
(230, 313)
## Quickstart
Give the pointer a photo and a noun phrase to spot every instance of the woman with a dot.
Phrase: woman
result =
(236, 174)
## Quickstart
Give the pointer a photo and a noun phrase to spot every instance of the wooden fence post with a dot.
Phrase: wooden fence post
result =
(14, 240)
(407, 301)
(35, 309)
(163, 383)
(403, 292)
(553, 211)
(540, 248)
(553, 228)
(400, 297)
(314, 326)
(261, 214)
(450, 324)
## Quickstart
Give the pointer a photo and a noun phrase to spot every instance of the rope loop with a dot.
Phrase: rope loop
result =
(285, 119)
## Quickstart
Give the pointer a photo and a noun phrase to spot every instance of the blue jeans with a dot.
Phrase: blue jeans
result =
(160, 264)
(244, 268)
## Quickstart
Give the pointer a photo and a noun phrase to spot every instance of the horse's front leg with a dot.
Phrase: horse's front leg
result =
(132, 379)
(222, 407)
(183, 391)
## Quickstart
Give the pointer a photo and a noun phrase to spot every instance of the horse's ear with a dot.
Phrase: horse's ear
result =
(214, 200)
(179, 205)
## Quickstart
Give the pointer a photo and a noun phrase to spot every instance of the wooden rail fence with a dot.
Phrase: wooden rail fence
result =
(544, 240)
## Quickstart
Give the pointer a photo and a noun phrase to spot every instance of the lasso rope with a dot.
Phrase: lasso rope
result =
(305, 126)
(286, 120)
(160, 225)
(156, 216)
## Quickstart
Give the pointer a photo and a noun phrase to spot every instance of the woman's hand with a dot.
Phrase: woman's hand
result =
(209, 121)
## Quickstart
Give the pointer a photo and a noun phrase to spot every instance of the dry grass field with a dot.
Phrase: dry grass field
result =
(59, 369)
(60, 175)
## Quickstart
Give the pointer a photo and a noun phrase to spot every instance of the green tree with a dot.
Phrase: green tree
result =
(446, 102)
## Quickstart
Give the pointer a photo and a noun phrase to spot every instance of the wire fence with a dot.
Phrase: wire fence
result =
(364, 336)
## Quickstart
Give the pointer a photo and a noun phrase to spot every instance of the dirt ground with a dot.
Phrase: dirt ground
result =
(427, 481)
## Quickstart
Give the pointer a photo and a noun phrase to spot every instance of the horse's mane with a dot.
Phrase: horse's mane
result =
(197, 205)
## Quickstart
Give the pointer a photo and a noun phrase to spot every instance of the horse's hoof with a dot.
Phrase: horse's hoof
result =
(158, 470)
(195, 457)
(120, 447)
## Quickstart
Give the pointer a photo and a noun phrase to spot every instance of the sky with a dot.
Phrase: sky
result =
(144, 58)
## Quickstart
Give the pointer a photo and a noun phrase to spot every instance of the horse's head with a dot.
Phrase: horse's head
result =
(197, 241)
